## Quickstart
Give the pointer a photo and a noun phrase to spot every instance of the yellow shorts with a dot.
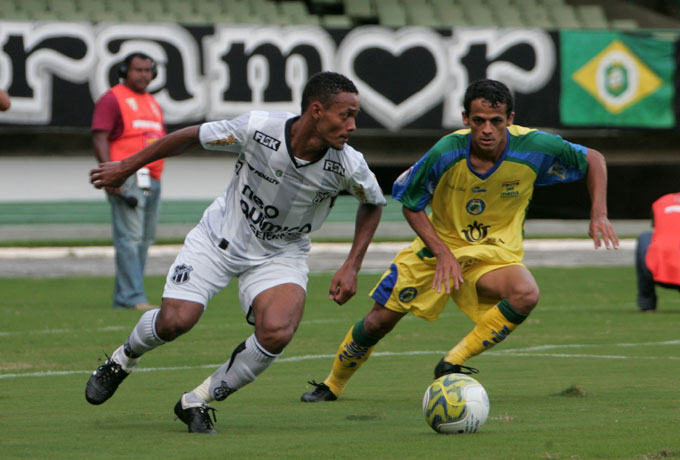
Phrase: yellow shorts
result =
(407, 285)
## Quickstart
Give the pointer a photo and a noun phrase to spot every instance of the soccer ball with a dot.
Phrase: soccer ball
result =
(455, 403)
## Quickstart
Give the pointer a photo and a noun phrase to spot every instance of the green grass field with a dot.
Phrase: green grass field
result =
(623, 368)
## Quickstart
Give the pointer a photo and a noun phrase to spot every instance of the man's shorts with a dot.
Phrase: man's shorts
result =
(202, 269)
(407, 285)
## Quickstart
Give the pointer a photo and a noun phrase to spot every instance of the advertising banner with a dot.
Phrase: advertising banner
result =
(411, 78)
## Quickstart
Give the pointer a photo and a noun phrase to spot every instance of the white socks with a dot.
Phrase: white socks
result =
(248, 360)
(143, 337)
(128, 364)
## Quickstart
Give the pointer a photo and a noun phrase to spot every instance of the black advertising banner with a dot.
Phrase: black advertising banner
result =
(410, 78)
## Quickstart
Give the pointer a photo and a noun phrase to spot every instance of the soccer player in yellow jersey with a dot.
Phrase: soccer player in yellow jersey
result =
(478, 182)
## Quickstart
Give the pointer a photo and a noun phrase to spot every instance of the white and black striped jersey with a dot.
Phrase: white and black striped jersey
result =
(275, 200)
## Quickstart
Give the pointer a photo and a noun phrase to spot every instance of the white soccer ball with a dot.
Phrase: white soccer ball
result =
(455, 403)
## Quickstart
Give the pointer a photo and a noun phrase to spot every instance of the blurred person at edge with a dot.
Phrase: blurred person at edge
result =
(5, 103)
(657, 255)
(126, 119)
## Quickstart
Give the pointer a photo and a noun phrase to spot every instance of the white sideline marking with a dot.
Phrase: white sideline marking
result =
(521, 352)
(64, 331)
(552, 245)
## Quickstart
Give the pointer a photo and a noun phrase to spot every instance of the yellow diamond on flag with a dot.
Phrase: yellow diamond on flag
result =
(617, 78)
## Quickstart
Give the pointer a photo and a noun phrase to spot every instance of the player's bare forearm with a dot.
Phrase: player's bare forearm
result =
(367, 220)
(114, 174)
(596, 179)
(421, 224)
(448, 269)
(344, 282)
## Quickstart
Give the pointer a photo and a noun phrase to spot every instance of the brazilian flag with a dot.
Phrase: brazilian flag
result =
(617, 79)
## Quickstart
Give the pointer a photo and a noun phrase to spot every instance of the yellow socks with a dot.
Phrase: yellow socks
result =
(494, 326)
(352, 353)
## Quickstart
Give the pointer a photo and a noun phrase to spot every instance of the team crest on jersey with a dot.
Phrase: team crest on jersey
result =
(334, 166)
(475, 206)
(408, 294)
(181, 273)
(267, 141)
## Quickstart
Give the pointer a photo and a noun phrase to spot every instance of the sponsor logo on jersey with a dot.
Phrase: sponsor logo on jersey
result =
(335, 167)
(181, 273)
(258, 173)
(510, 188)
(224, 141)
(259, 217)
(408, 294)
(478, 189)
(475, 206)
(475, 232)
(323, 194)
(267, 141)
(147, 124)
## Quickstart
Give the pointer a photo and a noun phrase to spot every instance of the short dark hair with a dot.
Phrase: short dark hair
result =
(128, 59)
(492, 90)
(323, 86)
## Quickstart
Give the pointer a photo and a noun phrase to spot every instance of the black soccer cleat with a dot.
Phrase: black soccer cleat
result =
(445, 367)
(104, 382)
(321, 392)
(197, 418)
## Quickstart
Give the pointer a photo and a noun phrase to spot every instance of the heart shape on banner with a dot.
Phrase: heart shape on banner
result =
(401, 45)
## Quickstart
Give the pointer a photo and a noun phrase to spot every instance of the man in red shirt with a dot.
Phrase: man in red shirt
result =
(125, 120)
(657, 257)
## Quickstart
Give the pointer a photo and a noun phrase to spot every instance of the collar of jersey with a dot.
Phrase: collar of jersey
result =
(494, 167)
(296, 163)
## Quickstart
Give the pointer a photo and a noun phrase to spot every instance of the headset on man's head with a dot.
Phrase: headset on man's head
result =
(125, 65)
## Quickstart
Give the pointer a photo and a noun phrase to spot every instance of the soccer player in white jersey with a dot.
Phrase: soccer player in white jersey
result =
(290, 170)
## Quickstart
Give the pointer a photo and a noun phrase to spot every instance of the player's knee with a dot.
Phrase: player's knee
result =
(275, 339)
(375, 327)
(379, 321)
(524, 298)
(169, 328)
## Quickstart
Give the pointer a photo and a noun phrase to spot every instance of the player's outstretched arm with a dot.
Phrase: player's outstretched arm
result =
(448, 268)
(113, 174)
(344, 282)
(601, 229)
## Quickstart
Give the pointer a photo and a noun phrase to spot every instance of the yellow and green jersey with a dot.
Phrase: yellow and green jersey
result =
(486, 212)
